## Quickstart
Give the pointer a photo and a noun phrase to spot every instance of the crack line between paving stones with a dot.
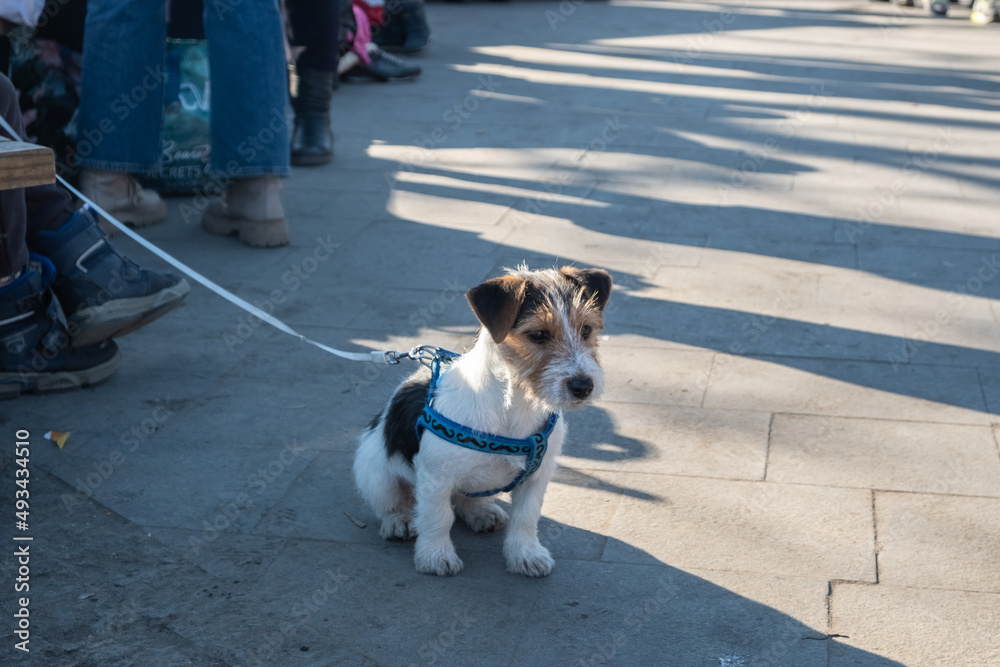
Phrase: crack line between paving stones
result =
(785, 483)
(767, 447)
(875, 544)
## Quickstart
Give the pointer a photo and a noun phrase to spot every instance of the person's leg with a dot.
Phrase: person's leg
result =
(405, 28)
(35, 351)
(121, 106)
(48, 208)
(249, 77)
(184, 19)
(13, 250)
(102, 293)
(250, 147)
(314, 24)
(121, 101)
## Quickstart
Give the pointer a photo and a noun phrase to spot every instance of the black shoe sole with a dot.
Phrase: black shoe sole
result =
(311, 160)
(14, 383)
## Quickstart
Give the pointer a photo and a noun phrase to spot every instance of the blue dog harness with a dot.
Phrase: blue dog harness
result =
(533, 447)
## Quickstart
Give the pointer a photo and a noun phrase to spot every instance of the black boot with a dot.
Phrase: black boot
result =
(312, 141)
(391, 34)
(415, 25)
(406, 27)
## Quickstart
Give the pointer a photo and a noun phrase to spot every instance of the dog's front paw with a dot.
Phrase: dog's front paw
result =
(397, 527)
(531, 560)
(484, 518)
(441, 561)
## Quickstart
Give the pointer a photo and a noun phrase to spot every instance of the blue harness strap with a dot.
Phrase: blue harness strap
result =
(533, 447)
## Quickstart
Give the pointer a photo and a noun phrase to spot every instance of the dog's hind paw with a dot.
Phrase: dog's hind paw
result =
(531, 561)
(444, 563)
(397, 527)
(484, 518)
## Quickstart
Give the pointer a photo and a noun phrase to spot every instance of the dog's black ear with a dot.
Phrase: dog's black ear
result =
(496, 303)
(595, 282)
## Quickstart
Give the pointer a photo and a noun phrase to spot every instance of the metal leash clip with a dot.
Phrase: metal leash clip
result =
(425, 354)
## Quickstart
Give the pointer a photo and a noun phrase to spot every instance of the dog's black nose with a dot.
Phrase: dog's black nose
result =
(580, 387)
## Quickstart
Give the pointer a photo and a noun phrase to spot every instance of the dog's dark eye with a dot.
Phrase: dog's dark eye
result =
(538, 336)
(585, 331)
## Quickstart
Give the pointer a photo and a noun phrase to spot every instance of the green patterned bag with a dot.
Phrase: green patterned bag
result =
(186, 119)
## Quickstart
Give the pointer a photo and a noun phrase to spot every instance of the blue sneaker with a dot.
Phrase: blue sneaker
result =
(103, 293)
(35, 350)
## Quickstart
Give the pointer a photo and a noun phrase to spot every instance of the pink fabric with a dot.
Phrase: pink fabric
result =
(364, 35)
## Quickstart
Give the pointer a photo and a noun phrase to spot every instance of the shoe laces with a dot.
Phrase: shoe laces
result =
(135, 190)
(378, 54)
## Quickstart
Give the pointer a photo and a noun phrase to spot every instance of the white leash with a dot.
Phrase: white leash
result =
(420, 353)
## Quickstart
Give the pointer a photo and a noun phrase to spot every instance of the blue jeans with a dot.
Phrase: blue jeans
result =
(121, 102)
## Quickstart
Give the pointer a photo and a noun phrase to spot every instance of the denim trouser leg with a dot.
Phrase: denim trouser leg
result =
(246, 53)
(121, 105)
(121, 101)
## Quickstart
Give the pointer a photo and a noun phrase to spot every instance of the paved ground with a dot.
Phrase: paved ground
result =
(795, 462)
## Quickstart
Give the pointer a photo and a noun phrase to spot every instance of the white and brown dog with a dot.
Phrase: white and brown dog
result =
(535, 355)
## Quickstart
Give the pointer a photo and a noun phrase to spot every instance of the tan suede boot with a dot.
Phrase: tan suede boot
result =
(250, 208)
(120, 195)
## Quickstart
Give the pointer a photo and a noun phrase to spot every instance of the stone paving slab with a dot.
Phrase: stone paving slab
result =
(884, 454)
(601, 248)
(935, 541)
(114, 592)
(917, 626)
(396, 615)
(671, 440)
(695, 618)
(141, 477)
(752, 527)
(850, 389)
(657, 376)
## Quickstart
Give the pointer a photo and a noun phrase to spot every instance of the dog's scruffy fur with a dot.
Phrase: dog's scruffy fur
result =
(536, 353)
